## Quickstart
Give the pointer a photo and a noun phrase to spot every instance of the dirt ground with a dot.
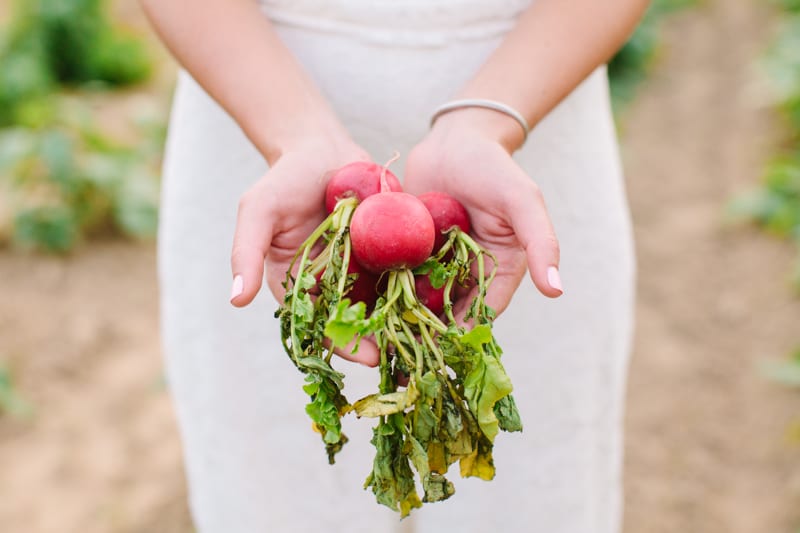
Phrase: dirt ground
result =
(708, 447)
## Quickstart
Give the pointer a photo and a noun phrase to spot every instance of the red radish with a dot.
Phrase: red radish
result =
(365, 287)
(391, 230)
(360, 180)
(401, 378)
(431, 298)
(446, 212)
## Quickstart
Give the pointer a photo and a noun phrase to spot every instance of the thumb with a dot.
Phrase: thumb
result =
(537, 237)
(251, 241)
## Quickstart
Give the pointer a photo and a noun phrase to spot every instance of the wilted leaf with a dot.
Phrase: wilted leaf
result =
(483, 387)
(479, 463)
(376, 405)
(391, 479)
(507, 414)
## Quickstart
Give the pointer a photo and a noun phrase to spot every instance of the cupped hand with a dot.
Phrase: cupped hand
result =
(506, 207)
(278, 213)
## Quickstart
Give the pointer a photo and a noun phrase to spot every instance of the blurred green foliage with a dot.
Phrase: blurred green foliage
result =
(51, 42)
(61, 177)
(629, 67)
(792, 6)
(786, 372)
(782, 65)
(11, 402)
(775, 203)
(68, 180)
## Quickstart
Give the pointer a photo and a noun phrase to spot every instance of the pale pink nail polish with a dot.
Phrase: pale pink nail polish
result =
(554, 278)
(238, 286)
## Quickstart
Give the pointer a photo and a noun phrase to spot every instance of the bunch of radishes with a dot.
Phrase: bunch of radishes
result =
(385, 265)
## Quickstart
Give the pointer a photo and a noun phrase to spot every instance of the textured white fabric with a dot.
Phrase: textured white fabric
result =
(253, 463)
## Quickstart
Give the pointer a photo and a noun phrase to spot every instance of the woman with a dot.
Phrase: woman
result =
(288, 90)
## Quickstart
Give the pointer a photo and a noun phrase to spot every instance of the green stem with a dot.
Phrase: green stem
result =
(345, 264)
(419, 356)
(313, 238)
(320, 262)
(448, 301)
(292, 321)
(429, 319)
(393, 292)
(434, 349)
(386, 385)
(391, 332)
(437, 353)
(406, 278)
(447, 246)
(481, 282)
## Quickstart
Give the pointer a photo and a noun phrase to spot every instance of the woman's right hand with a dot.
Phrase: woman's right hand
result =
(279, 212)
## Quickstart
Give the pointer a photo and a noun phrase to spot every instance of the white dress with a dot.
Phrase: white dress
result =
(253, 463)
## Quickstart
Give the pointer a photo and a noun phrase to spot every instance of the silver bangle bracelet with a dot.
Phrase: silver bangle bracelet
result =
(486, 104)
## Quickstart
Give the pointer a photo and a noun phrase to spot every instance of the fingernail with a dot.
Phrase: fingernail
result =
(554, 278)
(238, 286)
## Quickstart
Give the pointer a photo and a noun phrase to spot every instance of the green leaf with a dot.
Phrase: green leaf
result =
(426, 267)
(325, 410)
(485, 385)
(391, 479)
(322, 369)
(477, 337)
(437, 488)
(418, 457)
(425, 422)
(451, 421)
(332, 448)
(305, 281)
(304, 307)
(346, 322)
(312, 385)
(507, 414)
(460, 446)
(429, 386)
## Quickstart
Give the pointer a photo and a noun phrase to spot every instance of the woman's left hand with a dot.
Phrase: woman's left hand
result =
(507, 211)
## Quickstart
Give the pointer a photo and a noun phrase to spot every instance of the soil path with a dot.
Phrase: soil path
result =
(100, 453)
(707, 445)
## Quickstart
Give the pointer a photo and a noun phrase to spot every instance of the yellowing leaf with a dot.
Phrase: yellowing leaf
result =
(478, 464)
(409, 317)
(436, 459)
(376, 405)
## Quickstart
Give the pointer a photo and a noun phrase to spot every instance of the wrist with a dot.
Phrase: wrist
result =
(309, 133)
(493, 125)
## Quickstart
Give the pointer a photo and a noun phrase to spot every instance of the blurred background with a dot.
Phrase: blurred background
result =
(707, 96)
